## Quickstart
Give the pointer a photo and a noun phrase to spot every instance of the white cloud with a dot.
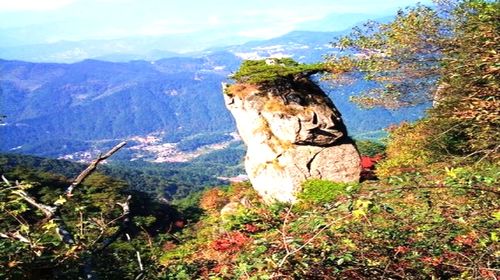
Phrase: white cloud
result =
(33, 5)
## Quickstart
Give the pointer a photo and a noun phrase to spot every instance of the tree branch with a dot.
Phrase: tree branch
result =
(88, 267)
(48, 211)
(125, 223)
(16, 236)
(91, 168)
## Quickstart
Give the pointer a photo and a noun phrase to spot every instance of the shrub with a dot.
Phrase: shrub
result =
(272, 70)
(415, 146)
(213, 200)
(324, 191)
(370, 148)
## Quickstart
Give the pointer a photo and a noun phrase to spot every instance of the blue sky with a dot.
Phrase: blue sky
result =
(55, 20)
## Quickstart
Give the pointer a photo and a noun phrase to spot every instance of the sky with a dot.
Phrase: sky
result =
(55, 20)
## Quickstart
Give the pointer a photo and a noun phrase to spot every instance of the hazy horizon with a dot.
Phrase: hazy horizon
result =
(27, 22)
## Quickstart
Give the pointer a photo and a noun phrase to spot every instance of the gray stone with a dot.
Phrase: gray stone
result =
(292, 133)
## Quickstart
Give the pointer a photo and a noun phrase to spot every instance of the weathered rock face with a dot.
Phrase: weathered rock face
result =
(293, 133)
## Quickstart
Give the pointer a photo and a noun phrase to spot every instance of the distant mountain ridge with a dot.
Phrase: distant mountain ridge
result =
(150, 48)
(56, 109)
(101, 100)
(66, 42)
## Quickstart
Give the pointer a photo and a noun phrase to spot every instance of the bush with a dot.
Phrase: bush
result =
(416, 146)
(370, 148)
(323, 191)
(272, 70)
(213, 200)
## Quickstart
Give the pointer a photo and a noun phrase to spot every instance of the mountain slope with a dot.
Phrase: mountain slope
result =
(98, 100)
(59, 109)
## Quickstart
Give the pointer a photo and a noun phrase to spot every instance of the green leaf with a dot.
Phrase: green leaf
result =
(60, 201)
(494, 236)
(496, 215)
(25, 228)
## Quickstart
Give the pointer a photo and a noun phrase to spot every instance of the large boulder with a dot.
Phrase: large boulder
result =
(293, 132)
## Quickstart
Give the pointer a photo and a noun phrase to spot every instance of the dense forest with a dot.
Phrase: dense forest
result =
(161, 180)
(429, 210)
(43, 103)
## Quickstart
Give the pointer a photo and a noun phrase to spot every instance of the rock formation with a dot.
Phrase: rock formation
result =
(293, 132)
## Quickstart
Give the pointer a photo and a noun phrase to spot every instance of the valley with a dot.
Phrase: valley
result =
(151, 148)
(200, 140)
(73, 110)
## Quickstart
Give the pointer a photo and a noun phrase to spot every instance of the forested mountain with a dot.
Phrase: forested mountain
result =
(160, 180)
(426, 205)
(59, 109)
(94, 100)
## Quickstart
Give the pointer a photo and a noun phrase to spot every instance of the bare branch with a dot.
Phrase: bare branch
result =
(125, 206)
(107, 242)
(91, 168)
(126, 220)
(283, 229)
(48, 211)
(16, 236)
(62, 232)
(6, 181)
(139, 261)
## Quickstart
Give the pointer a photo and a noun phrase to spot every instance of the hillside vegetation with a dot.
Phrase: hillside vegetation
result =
(272, 71)
(53, 110)
(433, 211)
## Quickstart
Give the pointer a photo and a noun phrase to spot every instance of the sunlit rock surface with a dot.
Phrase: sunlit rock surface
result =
(293, 132)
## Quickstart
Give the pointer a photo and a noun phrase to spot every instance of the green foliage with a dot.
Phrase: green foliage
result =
(464, 178)
(31, 249)
(370, 148)
(413, 227)
(278, 69)
(171, 180)
(323, 191)
(416, 146)
(446, 54)
(189, 206)
(194, 142)
(407, 150)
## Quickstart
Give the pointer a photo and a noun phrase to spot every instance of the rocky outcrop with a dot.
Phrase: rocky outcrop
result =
(293, 132)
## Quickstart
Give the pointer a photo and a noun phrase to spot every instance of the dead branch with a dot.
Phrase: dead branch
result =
(91, 168)
(88, 267)
(48, 211)
(125, 223)
(283, 229)
(62, 232)
(15, 236)
(125, 206)
(139, 260)
(6, 181)
(52, 212)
